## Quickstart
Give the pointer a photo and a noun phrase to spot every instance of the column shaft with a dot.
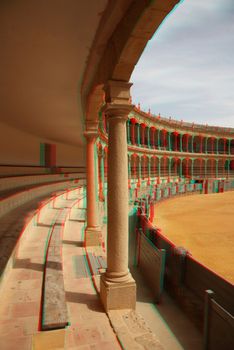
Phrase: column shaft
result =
(92, 211)
(117, 289)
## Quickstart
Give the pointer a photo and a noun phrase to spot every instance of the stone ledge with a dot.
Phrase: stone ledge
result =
(132, 331)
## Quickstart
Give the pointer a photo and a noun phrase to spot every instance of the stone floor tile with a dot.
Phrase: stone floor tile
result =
(11, 328)
(25, 309)
(106, 345)
(12, 343)
(50, 340)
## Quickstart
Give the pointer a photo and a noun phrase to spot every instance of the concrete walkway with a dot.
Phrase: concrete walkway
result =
(89, 326)
(21, 287)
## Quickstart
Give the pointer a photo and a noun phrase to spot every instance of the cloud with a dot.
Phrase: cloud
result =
(186, 70)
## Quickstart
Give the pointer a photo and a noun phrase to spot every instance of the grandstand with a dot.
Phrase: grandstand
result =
(80, 172)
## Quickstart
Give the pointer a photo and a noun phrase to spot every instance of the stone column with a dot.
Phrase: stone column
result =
(117, 289)
(93, 230)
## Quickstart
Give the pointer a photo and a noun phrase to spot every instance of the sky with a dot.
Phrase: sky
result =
(186, 72)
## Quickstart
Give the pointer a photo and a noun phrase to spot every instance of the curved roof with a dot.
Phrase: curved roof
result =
(55, 54)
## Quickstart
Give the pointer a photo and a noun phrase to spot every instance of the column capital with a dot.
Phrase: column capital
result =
(91, 129)
(118, 99)
(114, 110)
(91, 135)
(117, 92)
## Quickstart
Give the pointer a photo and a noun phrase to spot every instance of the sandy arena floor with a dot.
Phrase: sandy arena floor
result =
(204, 225)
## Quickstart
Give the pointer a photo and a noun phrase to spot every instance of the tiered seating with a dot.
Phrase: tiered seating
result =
(20, 196)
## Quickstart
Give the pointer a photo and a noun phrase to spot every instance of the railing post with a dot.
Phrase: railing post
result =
(209, 295)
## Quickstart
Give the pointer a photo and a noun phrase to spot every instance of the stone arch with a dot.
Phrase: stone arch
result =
(223, 145)
(152, 131)
(187, 167)
(142, 134)
(197, 167)
(211, 144)
(154, 166)
(147, 136)
(113, 57)
(197, 144)
(132, 131)
(175, 166)
(221, 168)
(144, 166)
(163, 139)
(232, 147)
(210, 167)
(185, 138)
(175, 141)
(165, 166)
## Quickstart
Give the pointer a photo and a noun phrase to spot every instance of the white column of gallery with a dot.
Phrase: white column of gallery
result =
(93, 230)
(118, 289)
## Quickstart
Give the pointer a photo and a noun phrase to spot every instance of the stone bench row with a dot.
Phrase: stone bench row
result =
(19, 170)
(16, 200)
(14, 182)
(54, 307)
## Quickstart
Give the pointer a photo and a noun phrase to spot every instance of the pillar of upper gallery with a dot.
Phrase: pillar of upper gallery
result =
(118, 289)
(93, 230)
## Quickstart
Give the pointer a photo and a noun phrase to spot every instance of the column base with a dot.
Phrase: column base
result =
(120, 295)
(93, 236)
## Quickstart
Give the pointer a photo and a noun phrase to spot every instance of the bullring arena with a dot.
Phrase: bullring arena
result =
(87, 179)
(203, 225)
